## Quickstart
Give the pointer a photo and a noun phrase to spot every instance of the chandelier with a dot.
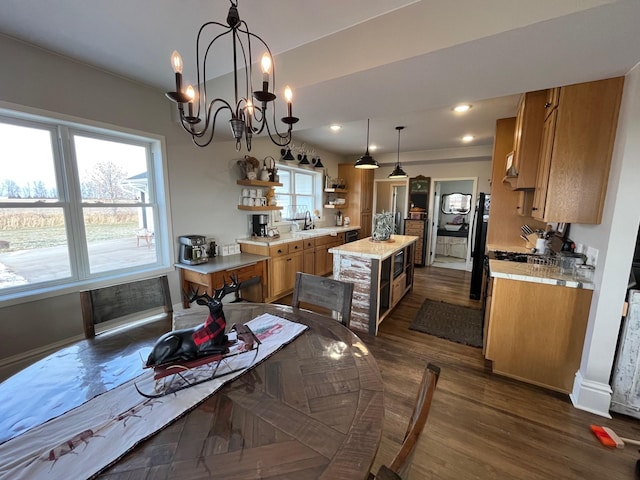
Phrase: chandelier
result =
(247, 118)
(398, 172)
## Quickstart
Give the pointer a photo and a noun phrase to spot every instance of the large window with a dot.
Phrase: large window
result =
(76, 204)
(301, 192)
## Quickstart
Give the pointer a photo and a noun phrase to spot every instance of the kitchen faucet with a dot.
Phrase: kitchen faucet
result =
(308, 222)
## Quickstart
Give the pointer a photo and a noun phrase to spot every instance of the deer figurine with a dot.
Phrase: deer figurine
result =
(203, 340)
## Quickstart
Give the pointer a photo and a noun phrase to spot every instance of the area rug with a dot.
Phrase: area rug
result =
(452, 322)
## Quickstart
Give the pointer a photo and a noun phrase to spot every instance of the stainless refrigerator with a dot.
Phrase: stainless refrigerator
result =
(478, 245)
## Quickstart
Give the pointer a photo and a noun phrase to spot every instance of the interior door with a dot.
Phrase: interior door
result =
(433, 224)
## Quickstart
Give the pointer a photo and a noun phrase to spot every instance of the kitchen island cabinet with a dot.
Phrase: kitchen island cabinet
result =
(381, 273)
(535, 325)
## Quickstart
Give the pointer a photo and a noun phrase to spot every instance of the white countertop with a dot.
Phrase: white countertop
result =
(533, 273)
(220, 264)
(367, 248)
(293, 236)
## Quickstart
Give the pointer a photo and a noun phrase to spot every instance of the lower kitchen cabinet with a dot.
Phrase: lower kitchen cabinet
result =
(309, 256)
(535, 332)
(282, 274)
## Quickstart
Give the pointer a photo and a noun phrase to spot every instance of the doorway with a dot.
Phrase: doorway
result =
(451, 220)
(391, 196)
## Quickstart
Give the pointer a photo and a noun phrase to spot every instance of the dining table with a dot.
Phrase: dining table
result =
(314, 409)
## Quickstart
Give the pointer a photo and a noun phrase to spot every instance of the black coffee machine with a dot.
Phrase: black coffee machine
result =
(259, 225)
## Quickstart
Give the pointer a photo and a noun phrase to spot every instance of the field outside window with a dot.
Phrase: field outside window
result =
(75, 205)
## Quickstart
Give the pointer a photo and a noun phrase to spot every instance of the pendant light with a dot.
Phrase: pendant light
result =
(398, 172)
(366, 161)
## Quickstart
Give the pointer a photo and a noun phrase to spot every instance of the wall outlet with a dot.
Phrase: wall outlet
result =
(579, 248)
(592, 256)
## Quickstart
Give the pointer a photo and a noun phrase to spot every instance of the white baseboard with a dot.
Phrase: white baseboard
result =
(593, 397)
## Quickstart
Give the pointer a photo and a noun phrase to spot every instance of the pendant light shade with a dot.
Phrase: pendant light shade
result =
(287, 155)
(366, 161)
(398, 172)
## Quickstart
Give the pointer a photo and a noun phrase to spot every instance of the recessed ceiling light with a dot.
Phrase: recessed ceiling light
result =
(464, 107)
(335, 128)
(467, 138)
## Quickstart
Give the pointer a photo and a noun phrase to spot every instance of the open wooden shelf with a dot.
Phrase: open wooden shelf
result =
(268, 207)
(344, 205)
(335, 190)
(258, 183)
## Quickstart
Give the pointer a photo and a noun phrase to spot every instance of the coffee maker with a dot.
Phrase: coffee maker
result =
(259, 225)
(193, 249)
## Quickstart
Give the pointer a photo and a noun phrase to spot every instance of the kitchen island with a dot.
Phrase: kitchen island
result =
(382, 273)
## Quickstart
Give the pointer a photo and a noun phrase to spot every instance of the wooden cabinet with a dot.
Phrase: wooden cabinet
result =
(536, 331)
(324, 259)
(577, 144)
(309, 254)
(359, 207)
(522, 173)
(419, 229)
(505, 221)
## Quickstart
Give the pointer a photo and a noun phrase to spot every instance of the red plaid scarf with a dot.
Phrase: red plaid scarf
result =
(209, 330)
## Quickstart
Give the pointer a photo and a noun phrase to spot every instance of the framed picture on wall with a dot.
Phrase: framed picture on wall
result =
(419, 184)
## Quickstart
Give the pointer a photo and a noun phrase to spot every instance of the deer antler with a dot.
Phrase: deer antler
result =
(227, 287)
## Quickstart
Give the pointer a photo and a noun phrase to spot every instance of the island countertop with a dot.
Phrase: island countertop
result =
(367, 248)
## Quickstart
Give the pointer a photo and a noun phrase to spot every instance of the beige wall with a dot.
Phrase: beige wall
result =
(202, 181)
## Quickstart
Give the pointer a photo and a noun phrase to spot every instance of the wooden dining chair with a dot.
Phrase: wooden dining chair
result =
(324, 292)
(400, 465)
(115, 302)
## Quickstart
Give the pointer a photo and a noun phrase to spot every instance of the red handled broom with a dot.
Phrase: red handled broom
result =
(609, 438)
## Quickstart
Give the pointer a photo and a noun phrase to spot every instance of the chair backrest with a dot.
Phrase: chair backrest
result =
(117, 301)
(324, 292)
(402, 461)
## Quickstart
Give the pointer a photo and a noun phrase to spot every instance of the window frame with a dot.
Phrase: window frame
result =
(278, 218)
(69, 199)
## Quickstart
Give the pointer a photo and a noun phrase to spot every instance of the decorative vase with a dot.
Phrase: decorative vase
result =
(382, 226)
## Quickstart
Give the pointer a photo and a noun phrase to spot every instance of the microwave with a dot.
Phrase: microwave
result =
(398, 263)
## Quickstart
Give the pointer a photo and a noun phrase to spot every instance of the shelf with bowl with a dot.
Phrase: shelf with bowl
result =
(336, 190)
(334, 205)
(258, 183)
(259, 208)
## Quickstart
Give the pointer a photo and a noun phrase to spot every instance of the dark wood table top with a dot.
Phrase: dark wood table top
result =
(312, 410)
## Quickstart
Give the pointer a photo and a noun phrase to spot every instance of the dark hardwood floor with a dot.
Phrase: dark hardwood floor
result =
(483, 426)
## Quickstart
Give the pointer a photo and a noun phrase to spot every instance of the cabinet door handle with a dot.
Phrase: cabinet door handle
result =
(289, 259)
(534, 208)
(279, 251)
(547, 105)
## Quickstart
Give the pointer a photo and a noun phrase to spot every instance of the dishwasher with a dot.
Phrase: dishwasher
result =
(351, 236)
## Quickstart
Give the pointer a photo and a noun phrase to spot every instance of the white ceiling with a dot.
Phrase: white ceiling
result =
(398, 62)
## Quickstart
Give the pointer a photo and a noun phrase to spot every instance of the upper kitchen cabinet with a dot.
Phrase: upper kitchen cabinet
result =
(522, 164)
(359, 183)
(575, 157)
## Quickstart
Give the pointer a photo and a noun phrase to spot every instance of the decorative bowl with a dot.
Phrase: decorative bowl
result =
(452, 228)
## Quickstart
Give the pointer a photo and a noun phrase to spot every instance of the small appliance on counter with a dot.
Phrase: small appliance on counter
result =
(193, 249)
(259, 225)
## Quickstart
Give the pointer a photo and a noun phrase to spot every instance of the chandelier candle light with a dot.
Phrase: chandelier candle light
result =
(247, 118)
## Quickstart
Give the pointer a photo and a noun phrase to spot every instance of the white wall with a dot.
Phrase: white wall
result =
(615, 240)
(202, 181)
